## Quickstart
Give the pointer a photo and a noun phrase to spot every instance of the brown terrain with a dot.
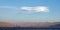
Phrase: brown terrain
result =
(32, 24)
(5, 24)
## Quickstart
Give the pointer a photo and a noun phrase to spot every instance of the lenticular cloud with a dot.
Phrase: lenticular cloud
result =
(35, 9)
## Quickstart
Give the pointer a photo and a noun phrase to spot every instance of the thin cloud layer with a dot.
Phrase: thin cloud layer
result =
(9, 7)
(29, 9)
(35, 9)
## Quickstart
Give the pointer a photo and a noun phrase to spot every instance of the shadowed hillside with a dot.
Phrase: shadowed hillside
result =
(55, 26)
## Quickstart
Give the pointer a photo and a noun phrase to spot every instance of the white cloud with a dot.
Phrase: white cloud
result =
(29, 9)
(26, 8)
(35, 9)
(9, 7)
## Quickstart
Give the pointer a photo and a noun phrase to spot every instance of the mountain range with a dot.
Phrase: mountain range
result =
(30, 24)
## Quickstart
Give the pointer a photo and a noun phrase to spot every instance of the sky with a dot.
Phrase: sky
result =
(30, 10)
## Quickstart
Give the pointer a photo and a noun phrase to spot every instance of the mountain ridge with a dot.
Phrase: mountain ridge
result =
(32, 24)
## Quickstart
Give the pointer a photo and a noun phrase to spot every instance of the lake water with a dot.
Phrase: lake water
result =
(29, 28)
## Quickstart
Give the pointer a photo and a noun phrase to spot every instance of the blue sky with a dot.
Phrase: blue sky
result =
(11, 10)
